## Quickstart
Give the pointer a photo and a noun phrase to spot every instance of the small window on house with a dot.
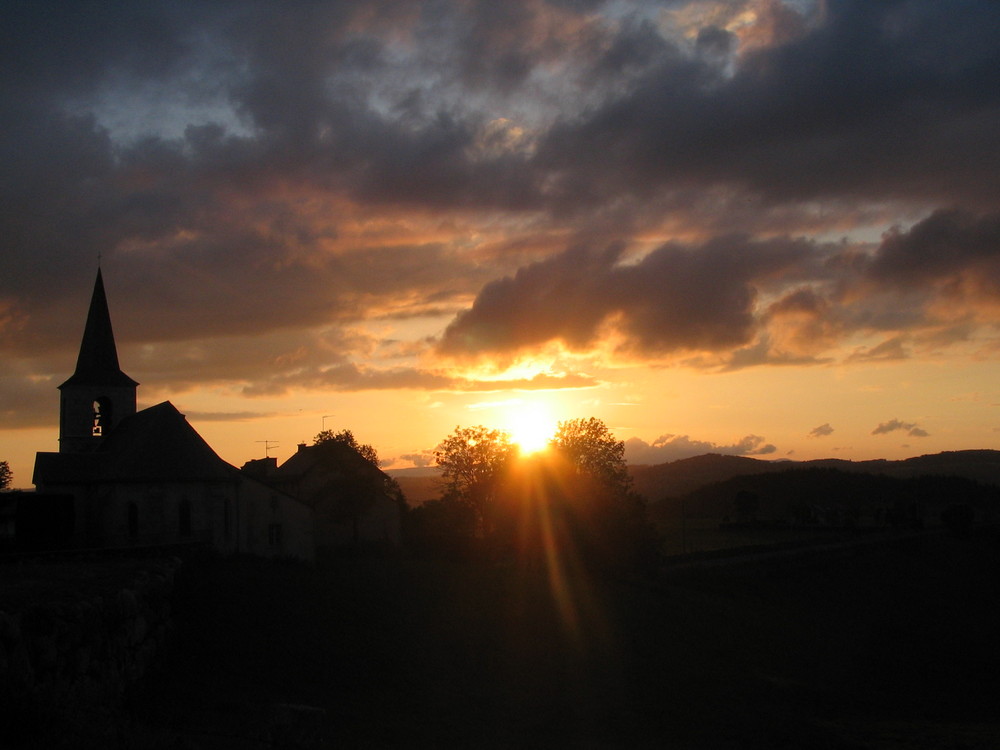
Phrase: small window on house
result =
(133, 521)
(274, 535)
(184, 517)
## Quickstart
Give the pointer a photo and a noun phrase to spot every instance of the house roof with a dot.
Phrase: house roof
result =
(97, 363)
(154, 445)
(326, 456)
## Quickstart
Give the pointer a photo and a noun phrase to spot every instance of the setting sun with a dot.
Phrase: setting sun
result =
(531, 427)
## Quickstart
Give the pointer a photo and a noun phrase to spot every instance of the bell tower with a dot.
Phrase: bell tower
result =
(98, 395)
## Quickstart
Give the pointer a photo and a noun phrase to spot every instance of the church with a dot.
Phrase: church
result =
(147, 478)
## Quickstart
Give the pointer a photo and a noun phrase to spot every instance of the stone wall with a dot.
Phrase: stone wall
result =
(86, 644)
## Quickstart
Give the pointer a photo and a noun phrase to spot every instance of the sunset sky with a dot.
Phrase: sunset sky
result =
(758, 227)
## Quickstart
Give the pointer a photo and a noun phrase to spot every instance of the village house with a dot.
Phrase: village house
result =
(354, 502)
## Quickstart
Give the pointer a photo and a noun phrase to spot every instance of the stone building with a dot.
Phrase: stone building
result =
(353, 501)
(142, 478)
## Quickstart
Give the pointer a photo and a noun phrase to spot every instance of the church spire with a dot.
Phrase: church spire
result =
(98, 395)
(97, 363)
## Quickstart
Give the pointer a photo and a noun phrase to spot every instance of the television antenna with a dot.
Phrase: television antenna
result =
(326, 417)
(268, 444)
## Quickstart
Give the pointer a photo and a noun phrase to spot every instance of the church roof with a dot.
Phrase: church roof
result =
(97, 363)
(154, 445)
(158, 444)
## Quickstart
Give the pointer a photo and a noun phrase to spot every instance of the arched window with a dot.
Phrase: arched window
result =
(184, 517)
(102, 416)
(133, 521)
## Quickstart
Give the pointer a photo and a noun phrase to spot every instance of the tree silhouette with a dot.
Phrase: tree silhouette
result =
(612, 523)
(5, 475)
(589, 446)
(346, 437)
(473, 461)
(355, 482)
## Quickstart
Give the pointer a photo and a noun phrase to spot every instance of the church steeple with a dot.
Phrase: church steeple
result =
(98, 394)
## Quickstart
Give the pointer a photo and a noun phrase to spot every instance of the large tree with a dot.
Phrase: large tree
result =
(346, 437)
(610, 523)
(589, 446)
(473, 462)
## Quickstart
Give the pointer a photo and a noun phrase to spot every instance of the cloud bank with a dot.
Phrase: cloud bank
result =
(366, 195)
(675, 447)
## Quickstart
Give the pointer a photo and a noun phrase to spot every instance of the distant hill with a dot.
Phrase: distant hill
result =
(688, 474)
(682, 477)
(419, 484)
(829, 496)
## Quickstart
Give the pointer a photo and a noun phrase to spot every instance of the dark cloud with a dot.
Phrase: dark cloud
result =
(29, 401)
(867, 103)
(888, 350)
(259, 170)
(220, 416)
(675, 447)
(353, 377)
(822, 431)
(675, 298)
(893, 425)
(946, 245)
(420, 460)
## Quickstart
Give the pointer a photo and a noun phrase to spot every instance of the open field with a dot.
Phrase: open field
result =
(705, 535)
(892, 647)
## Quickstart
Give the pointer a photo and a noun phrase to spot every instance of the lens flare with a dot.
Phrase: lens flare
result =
(531, 427)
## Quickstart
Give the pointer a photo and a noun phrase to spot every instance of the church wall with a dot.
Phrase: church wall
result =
(83, 523)
(243, 516)
(104, 518)
(165, 513)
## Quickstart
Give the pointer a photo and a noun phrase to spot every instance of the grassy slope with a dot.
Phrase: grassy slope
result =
(892, 648)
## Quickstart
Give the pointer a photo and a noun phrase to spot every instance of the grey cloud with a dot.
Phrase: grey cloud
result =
(863, 104)
(29, 401)
(676, 297)
(822, 431)
(353, 377)
(220, 416)
(893, 425)
(940, 246)
(420, 459)
(890, 349)
(311, 119)
(760, 353)
(675, 447)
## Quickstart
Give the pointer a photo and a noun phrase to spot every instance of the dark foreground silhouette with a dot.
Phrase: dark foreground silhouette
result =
(889, 647)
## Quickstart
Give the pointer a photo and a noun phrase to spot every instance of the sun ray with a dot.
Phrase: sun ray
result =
(531, 426)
